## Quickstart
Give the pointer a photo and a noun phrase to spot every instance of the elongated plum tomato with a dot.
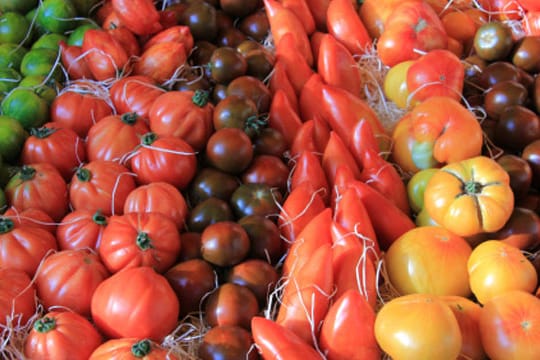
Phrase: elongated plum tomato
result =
(418, 326)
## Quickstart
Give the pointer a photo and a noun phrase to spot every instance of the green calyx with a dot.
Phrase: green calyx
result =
(200, 97)
(84, 175)
(6, 225)
(129, 118)
(42, 132)
(99, 218)
(45, 324)
(27, 173)
(143, 241)
(148, 138)
(472, 187)
(141, 348)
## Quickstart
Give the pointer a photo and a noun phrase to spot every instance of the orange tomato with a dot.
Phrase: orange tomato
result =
(432, 134)
(467, 313)
(495, 267)
(420, 260)
(510, 326)
(418, 326)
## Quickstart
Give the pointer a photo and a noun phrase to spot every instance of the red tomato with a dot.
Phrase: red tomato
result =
(509, 326)
(283, 117)
(177, 33)
(81, 229)
(147, 308)
(131, 348)
(31, 217)
(23, 247)
(308, 168)
(57, 145)
(158, 197)
(412, 28)
(134, 94)
(140, 239)
(61, 335)
(105, 56)
(164, 158)
(101, 185)
(343, 22)
(79, 106)
(69, 278)
(73, 61)
(349, 314)
(115, 136)
(531, 23)
(127, 39)
(183, 114)
(39, 185)
(139, 16)
(17, 296)
(529, 5)
(161, 61)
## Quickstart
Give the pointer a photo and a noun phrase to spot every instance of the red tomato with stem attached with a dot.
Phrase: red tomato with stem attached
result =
(81, 229)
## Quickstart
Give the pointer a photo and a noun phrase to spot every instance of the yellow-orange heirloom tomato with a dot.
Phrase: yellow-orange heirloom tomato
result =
(436, 132)
(495, 267)
(418, 326)
(470, 196)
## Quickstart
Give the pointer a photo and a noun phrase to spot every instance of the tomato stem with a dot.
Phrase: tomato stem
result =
(99, 218)
(200, 97)
(255, 123)
(42, 132)
(129, 118)
(148, 138)
(84, 175)
(472, 187)
(143, 241)
(141, 348)
(27, 173)
(6, 225)
(45, 324)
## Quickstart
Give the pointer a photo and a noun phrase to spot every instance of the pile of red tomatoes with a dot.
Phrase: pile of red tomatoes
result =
(269, 179)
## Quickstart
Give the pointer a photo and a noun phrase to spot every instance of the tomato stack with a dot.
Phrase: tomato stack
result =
(227, 179)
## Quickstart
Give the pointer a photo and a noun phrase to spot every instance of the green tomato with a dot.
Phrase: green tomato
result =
(11, 55)
(14, 28)
(20, 6)
(9, 79)
(76, 37)
(46, 88)
(41, 62)
(12, 137)
(48, 41)
(416, 187)
(37, 29)
(57, 16)
(423, 219)
(27, 107)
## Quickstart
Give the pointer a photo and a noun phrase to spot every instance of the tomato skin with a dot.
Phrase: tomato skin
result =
(31, 217)
(161, 60)
(413, 25)
(81, 229)
(101, 185)
(62, 335)
(17, 296)
(78, 110)
(166, 158)
(183, 114)
(158, 197)
(115, 136)
(51, 143)
(476, 191)
(105, 56)
(417, 262)
(509, 326)
(344, 22)
(140, 239)
(39, 185)
(131, 348)
(495, 267)
(176, 33)
(75, 64)
(139, 16)
(69, 278)
(439, 337)
(148, 308)
(134, 94)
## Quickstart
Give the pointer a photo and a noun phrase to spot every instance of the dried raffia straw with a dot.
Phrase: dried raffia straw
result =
(14, 333)
(185, 340)
(385, 290)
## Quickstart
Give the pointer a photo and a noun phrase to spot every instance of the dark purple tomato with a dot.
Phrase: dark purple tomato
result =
(201, 19)
(230, 37)
(493, 41)
(531, 153)
(226, 64)
(269, 170)
(522, 230)
(502, 95)
(516, 128)
(210, 182)
(255, 26)
(191, 246)
(260, 63)
(227, 342)
(255, 199)
(253, 88)
(257, 275)
(207, 212)
(229, 150)
(239, 8)
(520, 174)
(264, 238)
(224, 243)
(525, 54)
(234, 111)
(270, 141)
(496, 72)
(191, 280)
(231, 304)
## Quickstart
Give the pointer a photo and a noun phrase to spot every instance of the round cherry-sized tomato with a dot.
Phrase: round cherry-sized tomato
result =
(509, 326)
(496, 267)
(470, 196)
(131, 348)
(418, 262)
(147, 308)
(17, 296)
(418, 326)
(69, 278)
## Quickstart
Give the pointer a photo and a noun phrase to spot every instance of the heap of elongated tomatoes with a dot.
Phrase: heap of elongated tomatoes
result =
(277, 179)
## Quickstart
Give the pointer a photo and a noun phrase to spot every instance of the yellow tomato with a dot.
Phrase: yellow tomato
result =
(431, 260)
(471, 196)
(395, 84)
(418, 326)
(495, 267)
